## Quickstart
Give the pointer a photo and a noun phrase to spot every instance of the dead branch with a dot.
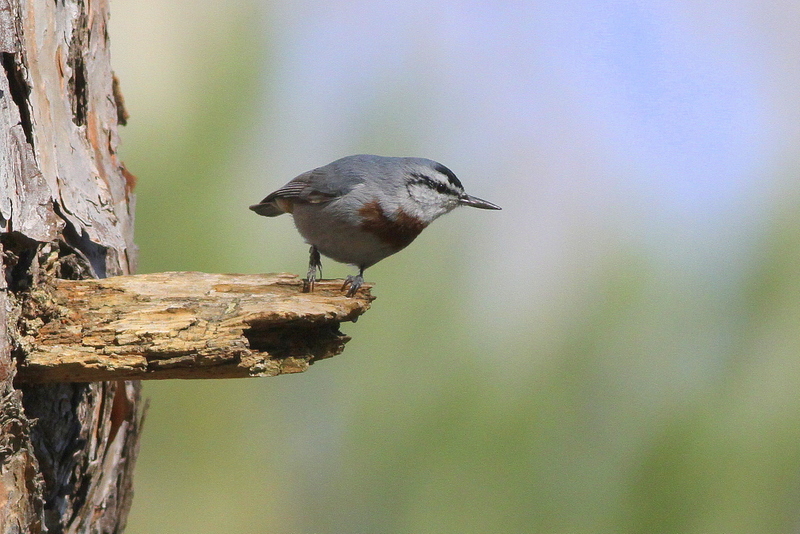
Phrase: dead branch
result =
(180, 325)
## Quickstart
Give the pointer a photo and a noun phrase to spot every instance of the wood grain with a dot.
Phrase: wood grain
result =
(181, 325)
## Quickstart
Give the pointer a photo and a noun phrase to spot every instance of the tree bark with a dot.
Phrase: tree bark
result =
(66, 210)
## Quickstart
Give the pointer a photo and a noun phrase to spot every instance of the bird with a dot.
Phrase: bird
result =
(362, 208)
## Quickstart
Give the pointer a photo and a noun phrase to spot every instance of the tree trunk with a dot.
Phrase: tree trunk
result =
(66, 210)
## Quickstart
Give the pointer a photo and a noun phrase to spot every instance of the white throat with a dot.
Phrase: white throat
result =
(427, 204)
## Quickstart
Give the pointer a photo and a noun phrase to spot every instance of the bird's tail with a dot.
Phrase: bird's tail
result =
(269, 209)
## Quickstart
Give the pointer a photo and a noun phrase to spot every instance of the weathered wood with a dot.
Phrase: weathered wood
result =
(181, 325)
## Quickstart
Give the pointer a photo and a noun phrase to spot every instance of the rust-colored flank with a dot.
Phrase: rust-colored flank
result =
(398, 232)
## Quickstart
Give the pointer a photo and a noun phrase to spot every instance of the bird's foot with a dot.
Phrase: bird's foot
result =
(355, 282)
(314, 263)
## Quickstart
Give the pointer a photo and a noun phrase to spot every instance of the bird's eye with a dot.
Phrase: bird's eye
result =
(451, 177)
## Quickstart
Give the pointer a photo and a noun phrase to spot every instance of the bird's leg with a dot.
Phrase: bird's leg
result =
(314, 263)
(354, 282)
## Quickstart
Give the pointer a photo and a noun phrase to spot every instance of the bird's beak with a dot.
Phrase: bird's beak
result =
(476, 202)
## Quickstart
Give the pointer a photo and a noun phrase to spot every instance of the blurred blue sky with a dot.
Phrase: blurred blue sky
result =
(619, 308)
(651, 116)
(677, 104)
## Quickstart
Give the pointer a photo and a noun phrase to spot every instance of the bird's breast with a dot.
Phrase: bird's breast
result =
(358, 233)
(397, 231)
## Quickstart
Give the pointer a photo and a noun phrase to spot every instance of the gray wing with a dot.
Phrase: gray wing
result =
(313, 187)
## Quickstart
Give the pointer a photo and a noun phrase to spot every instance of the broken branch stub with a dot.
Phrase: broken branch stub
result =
(180, 325)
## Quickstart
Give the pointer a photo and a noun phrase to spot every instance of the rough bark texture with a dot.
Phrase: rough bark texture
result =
(66, 210)
(181, 325)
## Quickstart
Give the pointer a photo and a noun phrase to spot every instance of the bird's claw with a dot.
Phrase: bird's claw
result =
(355, 282)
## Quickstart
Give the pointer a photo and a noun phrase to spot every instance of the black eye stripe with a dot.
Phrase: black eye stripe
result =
(451, 177)
(439, 187)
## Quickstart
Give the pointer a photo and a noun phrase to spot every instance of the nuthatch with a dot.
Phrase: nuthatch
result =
(360, 209)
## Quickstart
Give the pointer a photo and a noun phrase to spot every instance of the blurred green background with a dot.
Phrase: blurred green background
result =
(616, 351)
